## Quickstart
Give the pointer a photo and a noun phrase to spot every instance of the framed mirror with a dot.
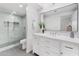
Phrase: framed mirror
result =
(62, 19)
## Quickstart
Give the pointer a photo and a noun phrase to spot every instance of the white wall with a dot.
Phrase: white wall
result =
(32, 24)
(74, 21)
(8, 35)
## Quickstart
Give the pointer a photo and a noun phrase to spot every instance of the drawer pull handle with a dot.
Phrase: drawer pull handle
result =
(69, 47)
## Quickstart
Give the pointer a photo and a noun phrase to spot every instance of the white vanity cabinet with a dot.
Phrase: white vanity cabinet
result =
(46, 46)
(36, 44)
(69, 49)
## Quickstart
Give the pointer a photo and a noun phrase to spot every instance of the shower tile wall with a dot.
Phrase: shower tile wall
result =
(7, 35)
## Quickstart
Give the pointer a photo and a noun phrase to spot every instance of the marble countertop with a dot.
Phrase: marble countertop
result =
(59, 37)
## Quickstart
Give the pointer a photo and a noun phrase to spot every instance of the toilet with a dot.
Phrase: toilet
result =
(23, 43)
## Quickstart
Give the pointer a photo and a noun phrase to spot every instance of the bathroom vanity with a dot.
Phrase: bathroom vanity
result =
(55, 45)
(58, 20)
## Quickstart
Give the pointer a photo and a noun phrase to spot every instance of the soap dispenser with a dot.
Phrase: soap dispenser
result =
(72, 34)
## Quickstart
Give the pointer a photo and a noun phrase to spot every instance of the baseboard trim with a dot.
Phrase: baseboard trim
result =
(9, 47)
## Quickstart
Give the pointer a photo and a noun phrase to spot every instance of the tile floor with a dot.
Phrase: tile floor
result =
(16, 51)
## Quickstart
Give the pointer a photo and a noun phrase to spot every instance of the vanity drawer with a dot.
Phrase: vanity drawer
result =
(50, 48)
(49, 43)
(48, 51)
(69, 49)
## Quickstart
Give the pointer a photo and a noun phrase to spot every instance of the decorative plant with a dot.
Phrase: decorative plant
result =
(42, 26)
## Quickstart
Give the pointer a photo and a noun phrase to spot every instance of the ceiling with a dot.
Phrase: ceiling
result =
(21, 11)
(46, 5)
(19, 8)
(69, 8)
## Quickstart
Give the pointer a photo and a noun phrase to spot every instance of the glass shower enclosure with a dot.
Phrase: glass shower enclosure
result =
(12, 29)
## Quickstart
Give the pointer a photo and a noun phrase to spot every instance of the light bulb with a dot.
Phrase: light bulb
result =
(20, 5)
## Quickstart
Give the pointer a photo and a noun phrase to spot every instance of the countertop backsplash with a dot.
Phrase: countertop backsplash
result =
(63, 33)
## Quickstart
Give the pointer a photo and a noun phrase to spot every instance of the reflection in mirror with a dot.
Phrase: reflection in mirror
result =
(78, 17)
(62, 19)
